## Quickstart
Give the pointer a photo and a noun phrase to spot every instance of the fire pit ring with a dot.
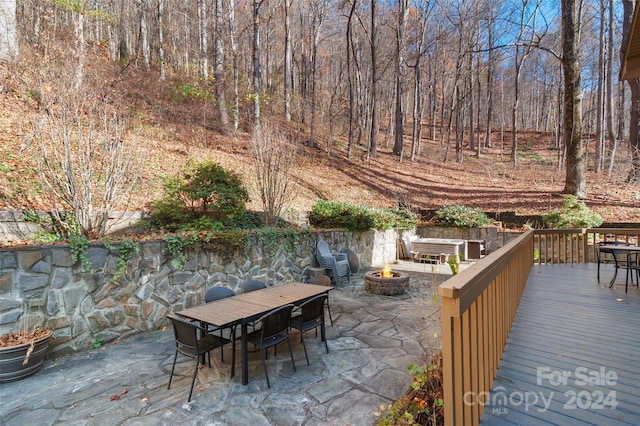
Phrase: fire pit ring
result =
(398, 283)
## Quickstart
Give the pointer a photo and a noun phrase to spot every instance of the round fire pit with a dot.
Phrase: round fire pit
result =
(388, 286)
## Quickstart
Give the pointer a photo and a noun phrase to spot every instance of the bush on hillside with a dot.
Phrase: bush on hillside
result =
(572, 214)
(332, 214)
(458, 216)
(204, 197)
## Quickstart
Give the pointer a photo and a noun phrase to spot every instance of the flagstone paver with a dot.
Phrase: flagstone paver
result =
(372, 342)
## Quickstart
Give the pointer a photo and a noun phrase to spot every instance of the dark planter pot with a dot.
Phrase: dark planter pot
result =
(12, 358)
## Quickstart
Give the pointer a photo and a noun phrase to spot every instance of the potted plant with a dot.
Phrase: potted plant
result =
(22, 353)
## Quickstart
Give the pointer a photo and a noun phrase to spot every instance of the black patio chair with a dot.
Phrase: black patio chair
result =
(619, 258)
(326, 281)
(217, 293)
(252, 285)
(189, 344)
(274, 329)
(311, 317)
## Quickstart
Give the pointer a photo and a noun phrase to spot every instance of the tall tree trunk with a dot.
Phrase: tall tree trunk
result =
(417, 109)
(316, 24)
(634, 85)
(218, 73)
(350, 77)
(287, 60)
(8, 34)
(490, 71)
(575, 181)
(78, 24)
(400, 42)
(144, 34)
(256, 64)
(202, 38)
(611, 130)
(373, 149)
(599, 136)
(234, 60)
(123, 50)
(161, 58)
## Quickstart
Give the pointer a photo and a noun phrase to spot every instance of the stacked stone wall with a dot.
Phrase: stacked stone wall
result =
(41, 285)
(493, 236)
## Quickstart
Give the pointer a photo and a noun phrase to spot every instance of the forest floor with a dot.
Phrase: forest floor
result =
(170, 131)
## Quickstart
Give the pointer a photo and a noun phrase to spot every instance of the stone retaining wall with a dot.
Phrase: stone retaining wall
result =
(41, 285)
(494, 236)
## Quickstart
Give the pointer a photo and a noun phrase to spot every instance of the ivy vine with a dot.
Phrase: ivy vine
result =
(176, 245)
(79, 247)
(273, 238)
(128, 249)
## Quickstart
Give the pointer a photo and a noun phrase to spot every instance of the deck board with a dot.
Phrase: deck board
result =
(567, 321)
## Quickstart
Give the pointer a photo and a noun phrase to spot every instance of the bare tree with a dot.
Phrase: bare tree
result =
(8, 34)
(403, 11)
(219, 67)
(318, 11)
(373, 147)
(274, 159)
(86, 165)
(143, 7)
(575, 180)
(351, 76)
(634, 84)
(287, 59)
(234, 60)
(161, 58)
(203, 36)
(611, 128)
(420, 32)
(491, 55)
(600, 88)
(256, 64)
(523, 47)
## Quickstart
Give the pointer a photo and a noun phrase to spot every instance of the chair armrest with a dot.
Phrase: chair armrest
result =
(339, 256)
(326, 261)
(189, 321)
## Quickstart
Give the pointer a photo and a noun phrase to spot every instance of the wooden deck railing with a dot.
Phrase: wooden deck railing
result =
(478, 308)
(576, 245)
(480, 303)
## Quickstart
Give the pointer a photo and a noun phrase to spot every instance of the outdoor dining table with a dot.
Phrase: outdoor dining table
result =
(613, 250)
(247, 307)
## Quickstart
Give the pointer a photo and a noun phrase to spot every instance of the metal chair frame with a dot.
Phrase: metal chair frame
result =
(311, 317)
(188, 344)
(322, 280)
(217, 293)
(274, 329)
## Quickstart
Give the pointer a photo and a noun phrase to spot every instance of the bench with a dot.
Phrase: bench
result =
(438, 246)
(437, 258)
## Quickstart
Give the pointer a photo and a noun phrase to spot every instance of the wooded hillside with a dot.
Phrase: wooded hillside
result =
(341, 80)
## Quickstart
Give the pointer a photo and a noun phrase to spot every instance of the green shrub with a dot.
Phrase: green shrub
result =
(248, 220)
(457, 216)
(332, 214)
(205, 197)
(572, 214)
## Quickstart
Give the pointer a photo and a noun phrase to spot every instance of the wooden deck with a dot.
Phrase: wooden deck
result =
(570, 330)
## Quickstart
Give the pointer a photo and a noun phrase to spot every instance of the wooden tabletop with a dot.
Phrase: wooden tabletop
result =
(232, 310)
